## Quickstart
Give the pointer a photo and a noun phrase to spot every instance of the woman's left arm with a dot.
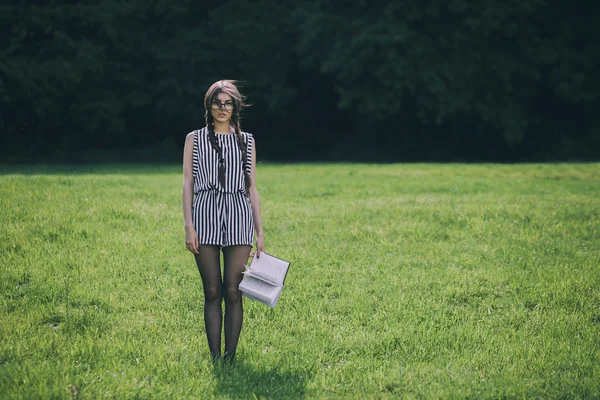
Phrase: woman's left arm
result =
(255, 202)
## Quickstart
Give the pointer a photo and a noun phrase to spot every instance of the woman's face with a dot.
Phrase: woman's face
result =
(222, 108)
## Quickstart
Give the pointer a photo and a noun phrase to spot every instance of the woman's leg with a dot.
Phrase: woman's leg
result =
(235, 258)
(209, 265)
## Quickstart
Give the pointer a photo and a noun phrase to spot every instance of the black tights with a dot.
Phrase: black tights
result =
(215, 288)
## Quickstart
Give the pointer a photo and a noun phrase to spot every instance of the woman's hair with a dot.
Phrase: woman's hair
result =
(228, 87)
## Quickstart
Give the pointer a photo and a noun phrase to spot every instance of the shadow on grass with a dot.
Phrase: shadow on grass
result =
(243, 380)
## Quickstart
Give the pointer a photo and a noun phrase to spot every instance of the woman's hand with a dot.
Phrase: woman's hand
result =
(191, 240)
(260, 245)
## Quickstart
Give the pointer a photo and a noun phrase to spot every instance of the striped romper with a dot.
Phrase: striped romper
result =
(221, 216)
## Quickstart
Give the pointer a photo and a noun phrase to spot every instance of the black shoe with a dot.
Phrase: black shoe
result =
(229, 359)
(215, 358)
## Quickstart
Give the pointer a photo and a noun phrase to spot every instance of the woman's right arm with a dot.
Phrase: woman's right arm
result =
(191, 238)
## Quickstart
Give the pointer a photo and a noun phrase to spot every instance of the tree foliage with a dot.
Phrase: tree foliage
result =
(490, 61)
(76, 76)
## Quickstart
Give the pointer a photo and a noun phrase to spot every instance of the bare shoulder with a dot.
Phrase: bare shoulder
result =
(190, 137)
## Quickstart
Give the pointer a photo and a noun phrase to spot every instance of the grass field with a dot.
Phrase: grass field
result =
(416, 281)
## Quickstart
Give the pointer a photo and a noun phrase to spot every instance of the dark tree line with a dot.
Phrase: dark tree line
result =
(328, 80)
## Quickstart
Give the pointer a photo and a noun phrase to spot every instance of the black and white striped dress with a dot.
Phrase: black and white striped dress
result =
(221, 216)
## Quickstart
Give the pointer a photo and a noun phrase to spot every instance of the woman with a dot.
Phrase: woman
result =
(221, 210)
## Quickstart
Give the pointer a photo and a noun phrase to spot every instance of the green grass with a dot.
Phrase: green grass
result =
(419, 281)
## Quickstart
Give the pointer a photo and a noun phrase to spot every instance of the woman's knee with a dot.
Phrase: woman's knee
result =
(233, 294)
(212, 293)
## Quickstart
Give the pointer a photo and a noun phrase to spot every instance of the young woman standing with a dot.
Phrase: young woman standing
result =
(221, 210)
